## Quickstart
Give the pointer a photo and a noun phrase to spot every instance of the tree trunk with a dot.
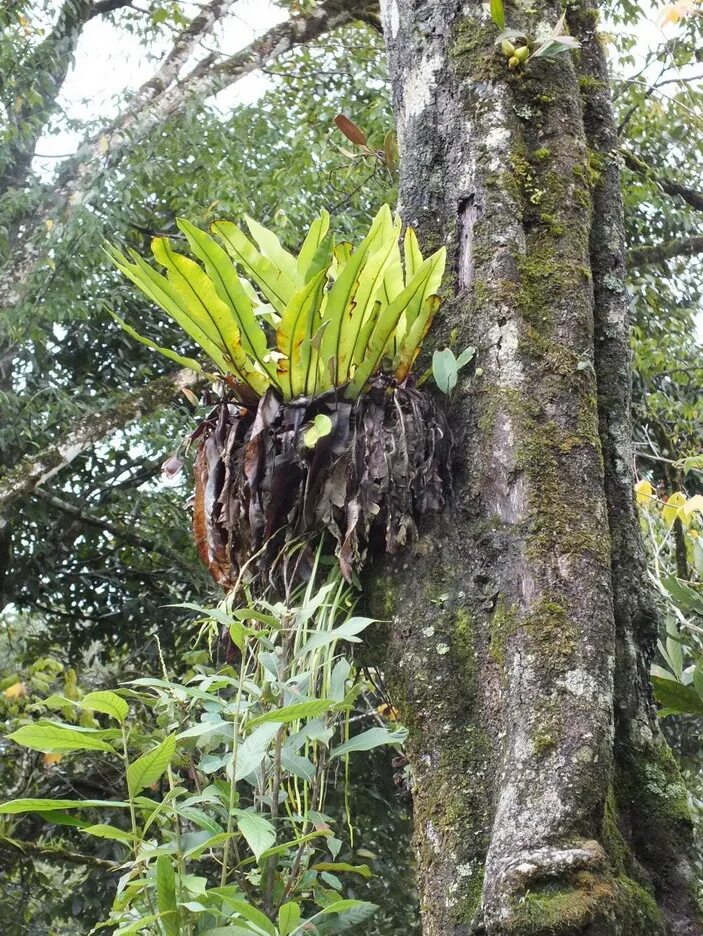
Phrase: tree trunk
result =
(546, 801)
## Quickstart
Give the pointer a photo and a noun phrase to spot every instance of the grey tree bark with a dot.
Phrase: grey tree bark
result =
(546, 800)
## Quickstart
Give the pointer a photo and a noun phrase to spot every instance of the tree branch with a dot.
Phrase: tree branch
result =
(33, 470)
(52, 853)
(183, 47)
(119, 532)
(681, 247)
(105, 149)
(691, 196)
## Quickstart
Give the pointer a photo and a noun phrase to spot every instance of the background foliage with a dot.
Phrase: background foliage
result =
(90, 561)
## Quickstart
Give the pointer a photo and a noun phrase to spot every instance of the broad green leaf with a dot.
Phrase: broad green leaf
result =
(55, 739)
(257, 831)
(294, 712)
(148, 768)
(270, 247)
(13, 807)
(190, 363)
(409, 347)
(677, 698)
(109, 703)
(228, 286)
(369, 288)
(245, 910)
(313, 240)
(251, 753)
(298, 325)
(273, 283)
(497, 13)
(342, 296)
(288, 917)
(106, 831)
(444, 370)
(413, 255)
(166, 895)
(346, 631)
(158, 288)
(367, 740)
(202, 301)
(362, 870)
(692, 463)
(552, 47)
(388, 319)
(349, 911)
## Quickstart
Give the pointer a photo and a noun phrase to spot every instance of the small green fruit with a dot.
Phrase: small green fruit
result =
(513, 62)
(522, 54)
(507, 47)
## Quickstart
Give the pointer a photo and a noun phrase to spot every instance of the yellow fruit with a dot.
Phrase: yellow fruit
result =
(507, 47)
(513, 62)
(522, 54)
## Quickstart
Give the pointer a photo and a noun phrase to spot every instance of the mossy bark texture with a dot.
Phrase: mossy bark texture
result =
(546, 801)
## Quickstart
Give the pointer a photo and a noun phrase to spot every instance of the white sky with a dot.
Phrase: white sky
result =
(110, 60)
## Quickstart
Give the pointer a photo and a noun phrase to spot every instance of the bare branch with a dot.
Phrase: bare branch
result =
(681, 247)
(691, 196)
(182, 49)
(33, 470)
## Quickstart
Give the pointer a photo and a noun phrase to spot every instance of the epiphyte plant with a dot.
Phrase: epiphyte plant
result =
(519, 48)
(331, 318)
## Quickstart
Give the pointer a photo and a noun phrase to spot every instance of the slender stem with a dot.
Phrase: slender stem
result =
(233, 785)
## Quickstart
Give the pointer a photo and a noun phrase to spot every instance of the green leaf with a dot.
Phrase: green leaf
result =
(245, 910)
(288, 917)
(106, 831)
(552, 47)
(166, 895)
(199, 296)
(321, 427)
(190, 363)
(362, 870)
(270, 247)
(410, 346)
(273, 282)
(497, 13)
(692, 463)
(342, 298)
(294, 712)
(55, 739)
(445, 370)
(388, 319)
(373, 738)
(148, 768)
(677, 698)
(346, 631)
(13, 807)
(294, 335)
(158, 288)
(257, 831)
(229, 288)
(312, 243)
(251, 753)
(109, 703)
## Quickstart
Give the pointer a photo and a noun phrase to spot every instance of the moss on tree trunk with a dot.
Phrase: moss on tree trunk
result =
(521, 631)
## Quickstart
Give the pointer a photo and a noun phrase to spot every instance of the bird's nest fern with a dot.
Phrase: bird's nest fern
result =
(317, 425)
